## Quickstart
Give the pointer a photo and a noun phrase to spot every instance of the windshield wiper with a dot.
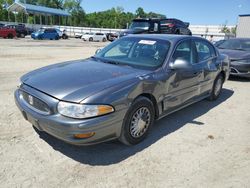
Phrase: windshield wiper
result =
(95, 58)
(113, 62)
(241, 49)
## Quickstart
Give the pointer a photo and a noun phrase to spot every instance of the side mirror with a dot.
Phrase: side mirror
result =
(98, 50)
(179, 64)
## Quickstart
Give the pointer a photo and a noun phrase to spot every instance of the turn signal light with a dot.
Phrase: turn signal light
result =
(84, 135)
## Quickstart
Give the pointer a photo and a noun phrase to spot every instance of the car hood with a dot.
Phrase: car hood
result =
(235, 54)
(76, 80)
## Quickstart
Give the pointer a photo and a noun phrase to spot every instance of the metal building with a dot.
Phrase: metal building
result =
(243, 27)
(35, 10)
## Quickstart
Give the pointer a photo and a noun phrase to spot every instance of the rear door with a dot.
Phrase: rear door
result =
(206, 58)
(183, 84)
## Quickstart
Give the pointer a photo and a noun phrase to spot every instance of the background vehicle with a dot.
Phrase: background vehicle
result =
(6, 32)
(94, 37)
(48, 33)
(21, 30)
(155, 25)
(62, 34)
(217, 43)
(238, 50)
(119, 92)
(112, 36)
(78, 35)
(1, 25)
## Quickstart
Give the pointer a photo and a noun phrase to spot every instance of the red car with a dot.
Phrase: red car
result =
(7, 32)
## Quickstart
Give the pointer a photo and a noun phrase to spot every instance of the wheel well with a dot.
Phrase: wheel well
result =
(151, 98)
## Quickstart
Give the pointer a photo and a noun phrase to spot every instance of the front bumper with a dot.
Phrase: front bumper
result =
(106, 127)
(241, 70)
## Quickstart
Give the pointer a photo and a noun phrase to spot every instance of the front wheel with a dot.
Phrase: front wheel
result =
(217, 87)
(137, 121)
(90, 39)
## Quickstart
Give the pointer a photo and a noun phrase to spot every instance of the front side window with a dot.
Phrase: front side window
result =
(183, 51)
(138, 52)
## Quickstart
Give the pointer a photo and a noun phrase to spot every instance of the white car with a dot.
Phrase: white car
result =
(94, 37)
(78, 35)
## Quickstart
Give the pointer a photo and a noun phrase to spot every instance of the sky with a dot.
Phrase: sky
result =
(197, 12)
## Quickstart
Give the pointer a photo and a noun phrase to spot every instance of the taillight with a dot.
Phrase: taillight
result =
(171, 25)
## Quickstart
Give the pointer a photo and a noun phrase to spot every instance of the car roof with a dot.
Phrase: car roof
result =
(172, 38)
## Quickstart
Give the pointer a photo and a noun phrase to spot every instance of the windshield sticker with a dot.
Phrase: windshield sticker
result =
(148, 42)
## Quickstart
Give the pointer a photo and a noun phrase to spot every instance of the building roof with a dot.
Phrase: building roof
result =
(35, 9)
(244, 15)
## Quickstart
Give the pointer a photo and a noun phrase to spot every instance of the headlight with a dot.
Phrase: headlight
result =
(81, 111)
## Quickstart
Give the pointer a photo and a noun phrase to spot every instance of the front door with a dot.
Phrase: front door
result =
(182, 86)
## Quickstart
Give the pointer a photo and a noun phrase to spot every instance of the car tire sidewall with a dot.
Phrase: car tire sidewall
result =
(90, 39)
(126, 137)
(213, 95)
(10, 36)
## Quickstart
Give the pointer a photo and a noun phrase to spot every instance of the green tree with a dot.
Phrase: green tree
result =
(140, 13)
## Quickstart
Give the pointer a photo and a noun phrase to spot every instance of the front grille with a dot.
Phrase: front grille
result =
(35, 102)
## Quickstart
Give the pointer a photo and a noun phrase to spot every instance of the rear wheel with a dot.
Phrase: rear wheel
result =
(217, 87)
(137, 121)
(10, 36)
(64, 36)
(90, 39)
(104, 40)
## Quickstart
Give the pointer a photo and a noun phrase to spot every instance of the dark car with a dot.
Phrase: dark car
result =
(238, 50)
(158, 26)
(47, 33)
(217, 43)
(112, 36)
(21, 30)
(1, 25)
(123, 89)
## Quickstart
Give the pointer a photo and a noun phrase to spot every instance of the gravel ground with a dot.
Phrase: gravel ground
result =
(204, 145)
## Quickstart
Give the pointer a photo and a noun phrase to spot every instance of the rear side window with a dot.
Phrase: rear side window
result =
(204, 50)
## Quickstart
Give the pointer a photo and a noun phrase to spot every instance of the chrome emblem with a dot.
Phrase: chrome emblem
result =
(31, 100)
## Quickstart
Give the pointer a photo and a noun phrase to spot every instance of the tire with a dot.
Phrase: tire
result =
(64, 36)
(90, 39)
(177, 32)
(10, 36)
(22, 35)
(135, 129)
(217, 87)
(104, 40)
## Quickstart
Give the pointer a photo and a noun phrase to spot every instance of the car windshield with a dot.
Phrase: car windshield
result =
(235, 44)
(139, 24)
(41, 30)
(142, 53)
